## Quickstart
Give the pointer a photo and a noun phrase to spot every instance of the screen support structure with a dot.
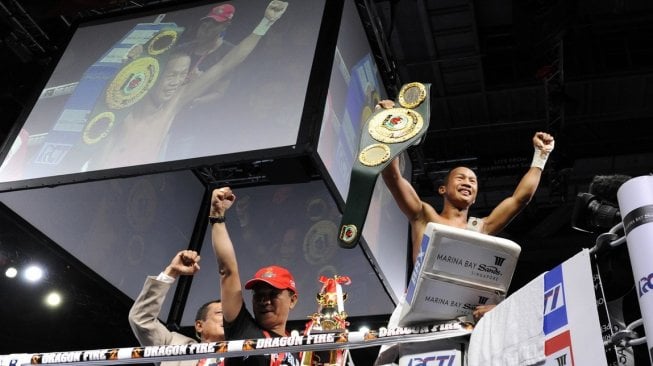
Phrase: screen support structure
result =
(197, 238)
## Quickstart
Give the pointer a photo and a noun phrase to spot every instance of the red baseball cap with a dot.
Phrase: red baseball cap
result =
(221, 13)
(275, 276)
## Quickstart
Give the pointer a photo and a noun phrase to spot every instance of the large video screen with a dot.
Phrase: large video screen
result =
(355, 87)
(212, 79)
(122, 229)
(129, 228)
(296, 226)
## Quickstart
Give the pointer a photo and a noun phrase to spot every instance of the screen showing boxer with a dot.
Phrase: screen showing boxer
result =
(220, 78)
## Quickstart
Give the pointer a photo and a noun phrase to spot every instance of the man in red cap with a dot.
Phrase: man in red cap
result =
(209, 46)
(274, 292)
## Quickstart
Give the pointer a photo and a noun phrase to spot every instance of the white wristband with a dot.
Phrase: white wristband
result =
(539, 158)
(165, 278)
(263, 26)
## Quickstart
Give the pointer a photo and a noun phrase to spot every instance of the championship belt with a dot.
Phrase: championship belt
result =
(103, 95)
(386, 134)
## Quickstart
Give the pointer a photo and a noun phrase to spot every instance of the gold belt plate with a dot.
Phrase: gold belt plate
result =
(395, 125)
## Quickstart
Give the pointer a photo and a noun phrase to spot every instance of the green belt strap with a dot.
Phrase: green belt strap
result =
(386, 133)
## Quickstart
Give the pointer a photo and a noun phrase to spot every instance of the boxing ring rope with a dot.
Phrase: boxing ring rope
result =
(237, 348)
(605, 242)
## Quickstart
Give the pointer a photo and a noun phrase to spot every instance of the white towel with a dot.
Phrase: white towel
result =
(512, 333)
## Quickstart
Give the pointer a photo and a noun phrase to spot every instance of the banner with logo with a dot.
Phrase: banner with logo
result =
(636, 205)
(456, 270)
(571, 322)
(436, 358)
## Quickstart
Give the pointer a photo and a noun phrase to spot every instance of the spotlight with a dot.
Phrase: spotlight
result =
(53, 299)
(591, 214)
(33, 273)
(11, 272)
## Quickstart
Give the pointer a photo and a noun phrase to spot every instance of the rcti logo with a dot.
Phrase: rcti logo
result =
(441, 360)
(498, 261)
(52, 153)
(645, 284)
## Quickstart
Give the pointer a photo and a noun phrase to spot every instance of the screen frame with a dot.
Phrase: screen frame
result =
(309, 123)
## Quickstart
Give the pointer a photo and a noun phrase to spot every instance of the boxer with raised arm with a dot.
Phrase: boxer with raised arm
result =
(459, 190)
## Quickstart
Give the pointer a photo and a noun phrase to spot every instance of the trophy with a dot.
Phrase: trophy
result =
(330, 317)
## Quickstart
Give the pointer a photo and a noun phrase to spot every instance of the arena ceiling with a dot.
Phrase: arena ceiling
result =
(500, 70)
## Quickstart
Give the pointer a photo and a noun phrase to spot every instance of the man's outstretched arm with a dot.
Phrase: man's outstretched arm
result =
(237, 55)
(230, 286)
(144, 314)
(510, 207)
(403, 192)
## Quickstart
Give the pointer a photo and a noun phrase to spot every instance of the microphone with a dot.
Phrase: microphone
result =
(605, 186)
(598, 209)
